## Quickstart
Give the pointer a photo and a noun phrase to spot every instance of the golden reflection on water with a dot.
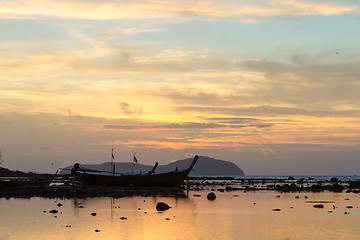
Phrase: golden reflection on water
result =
(232, 215)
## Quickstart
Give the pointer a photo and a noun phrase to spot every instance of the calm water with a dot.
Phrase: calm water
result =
(321, 178)
(232, 215)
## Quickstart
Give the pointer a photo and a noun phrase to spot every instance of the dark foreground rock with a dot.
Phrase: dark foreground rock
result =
(211, 196)
(161, 206)
(68, 192)
(36, 187)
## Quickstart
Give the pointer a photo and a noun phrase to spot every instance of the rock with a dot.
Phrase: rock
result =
(211, 196)
(97, 230)
(167, 218)
(297, 197)
(276, 209)
(53, 211)
(334, 179)
(349, 206)
(123, 218)
(197, 195)
(161, 206)
(278, 196)
(93, 214)
(59, 204)
(318, 206)
(231, 189)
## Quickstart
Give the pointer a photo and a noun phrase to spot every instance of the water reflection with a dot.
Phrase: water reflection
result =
(233, 215)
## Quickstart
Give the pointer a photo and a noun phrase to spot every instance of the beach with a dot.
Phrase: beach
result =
(234, 214)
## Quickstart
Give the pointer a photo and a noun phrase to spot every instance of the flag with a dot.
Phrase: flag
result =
(112, 154)
(135, 160)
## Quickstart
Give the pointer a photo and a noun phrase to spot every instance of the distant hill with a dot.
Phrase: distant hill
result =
(4, 172)
(205, 166)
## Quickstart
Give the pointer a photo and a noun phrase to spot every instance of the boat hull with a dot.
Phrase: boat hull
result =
(166, 179)
(169, 179)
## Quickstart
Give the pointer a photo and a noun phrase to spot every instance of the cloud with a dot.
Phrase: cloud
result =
(109, 57)
(128, 31)
(263, 110)
(129, 111)
(245, 11)
(47, 148)
(309, 86)
(270, 153)
(184, 126)
(233, 120)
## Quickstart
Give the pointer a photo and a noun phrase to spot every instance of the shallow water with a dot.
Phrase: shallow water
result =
(232, 215)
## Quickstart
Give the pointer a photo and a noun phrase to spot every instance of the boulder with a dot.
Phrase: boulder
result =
(318, 206)
(161, 206)
(211, 196)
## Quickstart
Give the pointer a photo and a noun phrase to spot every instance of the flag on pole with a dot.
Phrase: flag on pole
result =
(135, 160)
(112, 162)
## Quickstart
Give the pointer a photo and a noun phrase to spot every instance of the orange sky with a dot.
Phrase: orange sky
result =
(272, 86)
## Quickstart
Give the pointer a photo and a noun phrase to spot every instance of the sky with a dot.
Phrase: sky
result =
(271, 85)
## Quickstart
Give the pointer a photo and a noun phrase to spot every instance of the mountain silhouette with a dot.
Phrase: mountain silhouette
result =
(205, 166)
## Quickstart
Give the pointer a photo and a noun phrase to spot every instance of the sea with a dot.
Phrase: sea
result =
(253, 215)
(315, 177)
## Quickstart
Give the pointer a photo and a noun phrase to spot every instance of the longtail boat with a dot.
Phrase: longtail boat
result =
(98, 178)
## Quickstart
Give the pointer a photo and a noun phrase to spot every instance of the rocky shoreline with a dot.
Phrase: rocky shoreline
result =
(65, 188)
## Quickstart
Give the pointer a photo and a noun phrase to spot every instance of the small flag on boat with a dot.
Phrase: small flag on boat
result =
(135, 160)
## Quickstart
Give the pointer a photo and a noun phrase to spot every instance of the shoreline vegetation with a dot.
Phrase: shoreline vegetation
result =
(47, 186)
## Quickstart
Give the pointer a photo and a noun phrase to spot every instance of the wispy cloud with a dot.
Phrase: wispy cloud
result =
(182, 126)
(128, 31)
(245, 11)
(130, 111)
